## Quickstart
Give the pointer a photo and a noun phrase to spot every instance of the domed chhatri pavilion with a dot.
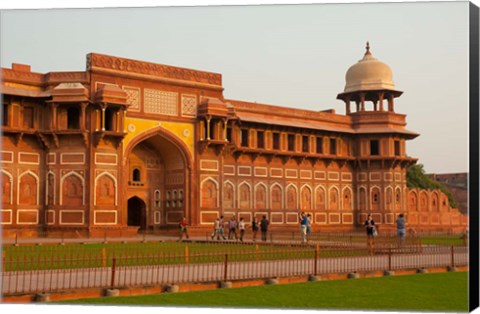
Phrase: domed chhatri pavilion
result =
(129, 145)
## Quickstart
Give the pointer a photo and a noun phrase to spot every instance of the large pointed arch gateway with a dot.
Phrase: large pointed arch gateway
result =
(157, 172)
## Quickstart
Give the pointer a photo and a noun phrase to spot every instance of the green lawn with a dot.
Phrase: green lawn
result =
(425, 292)
(153, 253)
(32, 257)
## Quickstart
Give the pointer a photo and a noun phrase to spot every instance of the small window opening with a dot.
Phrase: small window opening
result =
(244, 141)
(305, 146)
(374, 148)
(28, 117)
(291, 142)
(260, 139)
(5, 115)
(319, 145)
(333, 146)
(397, 148)
(110, 115)
(229, 134)
(136, 175)
(73, 118)
(213, 126)
(276, 140)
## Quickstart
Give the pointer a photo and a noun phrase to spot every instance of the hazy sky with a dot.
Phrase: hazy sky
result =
(287, 55)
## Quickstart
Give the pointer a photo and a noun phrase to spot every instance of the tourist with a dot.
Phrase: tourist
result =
(303, 226)
(309, 227)
(254, 228)
(371, 232)
(264, 227)
(216, 229)
(241, 227)
(222, 226)
(232, 228)
(183, 229)
(401, 231)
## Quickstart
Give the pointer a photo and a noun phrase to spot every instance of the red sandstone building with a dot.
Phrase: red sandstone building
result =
(129, 145)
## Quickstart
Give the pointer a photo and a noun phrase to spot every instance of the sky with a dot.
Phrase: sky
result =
(286, 55)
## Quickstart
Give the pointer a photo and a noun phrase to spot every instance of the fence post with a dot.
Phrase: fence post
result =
(4, 259)
(187, 255)
(315, 272)
(390, 258)
(226, 268)
(114, 264)
(453, 256)
(104, 257)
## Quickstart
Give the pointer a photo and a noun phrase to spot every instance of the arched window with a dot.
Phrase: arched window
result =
(136, 175)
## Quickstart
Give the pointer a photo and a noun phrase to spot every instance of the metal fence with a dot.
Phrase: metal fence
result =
(67, 272)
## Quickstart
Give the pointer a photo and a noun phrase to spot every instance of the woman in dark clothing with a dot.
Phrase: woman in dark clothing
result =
(254, 228)
(370, 228)
(264, 227)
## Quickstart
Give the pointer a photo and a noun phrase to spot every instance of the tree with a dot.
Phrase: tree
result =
(416, 178)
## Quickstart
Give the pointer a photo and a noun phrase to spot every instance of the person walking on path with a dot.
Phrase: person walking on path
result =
(371, 231)
(309, 227)
(241, 227)
(232, 228)
(401, 230)
(183, 229)
(254, 228)
(216, 229)
(303, 226)
(264, 227)
(222, 226)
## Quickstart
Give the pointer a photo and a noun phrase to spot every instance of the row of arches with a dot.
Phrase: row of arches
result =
(274, 196)
(246, 195)
(373, 199)
(427, 201)
(72, 189)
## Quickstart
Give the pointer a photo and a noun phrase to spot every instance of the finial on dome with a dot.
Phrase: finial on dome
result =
(368, 49)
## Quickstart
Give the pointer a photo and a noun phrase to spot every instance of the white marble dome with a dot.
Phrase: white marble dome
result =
(368, 74)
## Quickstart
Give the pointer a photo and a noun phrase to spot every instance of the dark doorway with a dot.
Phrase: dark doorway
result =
(137, 213)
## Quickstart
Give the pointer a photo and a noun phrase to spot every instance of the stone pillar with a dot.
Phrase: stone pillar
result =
(380, 99)
(53, 121)
(362, 102)
(124, 122)
(208, 128)
(104, 107)
(117, 125)
(202, 130)
(347, 105)
(83, 115)
(225, 121)
(390, 103)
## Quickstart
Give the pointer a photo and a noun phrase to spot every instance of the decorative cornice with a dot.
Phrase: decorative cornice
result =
(97, 61)
(42, 80)
(29, 78)
(289, 112)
